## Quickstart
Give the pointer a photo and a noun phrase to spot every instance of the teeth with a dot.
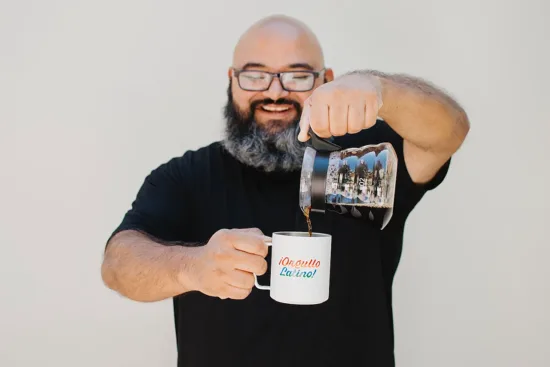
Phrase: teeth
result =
(272, 108)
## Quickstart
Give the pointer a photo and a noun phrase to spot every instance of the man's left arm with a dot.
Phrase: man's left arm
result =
(432, 125)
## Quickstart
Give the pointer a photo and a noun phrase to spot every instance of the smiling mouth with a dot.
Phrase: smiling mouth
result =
(275, 108)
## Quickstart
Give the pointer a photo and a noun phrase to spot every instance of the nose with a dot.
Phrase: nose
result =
(275, 90)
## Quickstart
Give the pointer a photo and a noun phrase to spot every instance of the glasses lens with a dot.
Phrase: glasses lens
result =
(254, 80)
(298, 80)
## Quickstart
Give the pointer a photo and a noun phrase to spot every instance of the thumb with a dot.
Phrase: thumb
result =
(257, 232)
(305, 122)
(251, 230)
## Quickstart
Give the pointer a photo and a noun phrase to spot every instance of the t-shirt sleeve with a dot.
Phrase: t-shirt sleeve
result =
(162, 207)
(438, 178)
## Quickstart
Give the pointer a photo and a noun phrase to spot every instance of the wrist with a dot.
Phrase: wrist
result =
(387, 89)
(374, 81)
(183, 265)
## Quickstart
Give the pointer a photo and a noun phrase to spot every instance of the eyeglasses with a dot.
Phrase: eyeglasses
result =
(292, 81)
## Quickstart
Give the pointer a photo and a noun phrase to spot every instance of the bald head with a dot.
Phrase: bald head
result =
(277, 64)
(281, 39)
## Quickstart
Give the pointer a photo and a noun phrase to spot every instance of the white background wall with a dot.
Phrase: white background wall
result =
(95, 94)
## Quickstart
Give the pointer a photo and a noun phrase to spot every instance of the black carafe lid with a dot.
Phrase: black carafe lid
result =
(321, 144)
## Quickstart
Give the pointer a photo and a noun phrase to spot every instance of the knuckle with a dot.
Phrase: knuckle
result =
(256, 230)
(262, 248)
(223, 234)
(337, 129)
(339, 92)
(261, 267)
(354, 128)
(211, 290)
(241, 293)
(252, 230)
(223, 290)
(246, 292)
(372, 97)
(249, 281)
(323, 132)
(235, 293)
(220, 254)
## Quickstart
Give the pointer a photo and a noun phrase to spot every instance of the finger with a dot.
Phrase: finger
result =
(239, 279)
(249, 242)
(356, 117)
(247, 262)
(250, 230)
(255, 231)
(338, 116)
(303, 136)
(371, 113)
(319, 121)
(228, 291)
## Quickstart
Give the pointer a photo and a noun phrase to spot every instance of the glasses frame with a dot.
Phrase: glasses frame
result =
(316, 74)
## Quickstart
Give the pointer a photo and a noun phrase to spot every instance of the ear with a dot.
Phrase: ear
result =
(329, 75)
(230, 72)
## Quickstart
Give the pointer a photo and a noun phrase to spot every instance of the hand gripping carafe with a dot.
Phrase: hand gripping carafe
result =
(359, 182)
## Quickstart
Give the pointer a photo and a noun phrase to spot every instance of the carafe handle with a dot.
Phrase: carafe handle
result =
(320, 144)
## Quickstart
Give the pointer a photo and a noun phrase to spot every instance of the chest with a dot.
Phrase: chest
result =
(241, 200)
(244, 200)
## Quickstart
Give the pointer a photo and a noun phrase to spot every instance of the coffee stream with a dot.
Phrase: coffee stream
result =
(307, 210)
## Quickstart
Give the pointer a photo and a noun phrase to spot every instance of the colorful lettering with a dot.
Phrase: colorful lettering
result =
(297, 273)
(300, 263)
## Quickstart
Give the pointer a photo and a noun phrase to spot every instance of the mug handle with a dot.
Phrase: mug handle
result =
(267, 241)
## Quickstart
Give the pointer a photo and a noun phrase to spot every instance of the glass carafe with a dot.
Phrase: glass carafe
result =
(359, 182)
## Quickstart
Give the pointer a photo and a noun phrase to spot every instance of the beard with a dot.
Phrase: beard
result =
(270, 147)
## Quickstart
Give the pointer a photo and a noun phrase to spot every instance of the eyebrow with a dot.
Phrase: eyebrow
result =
(299, 65)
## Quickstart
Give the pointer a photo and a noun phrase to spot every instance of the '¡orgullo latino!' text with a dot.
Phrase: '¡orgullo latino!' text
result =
(298, 268)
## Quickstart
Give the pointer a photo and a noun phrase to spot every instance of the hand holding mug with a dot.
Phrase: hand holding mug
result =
(227, 263)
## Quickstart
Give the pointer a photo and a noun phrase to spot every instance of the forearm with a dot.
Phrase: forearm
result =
(421, 113)
(143, 270)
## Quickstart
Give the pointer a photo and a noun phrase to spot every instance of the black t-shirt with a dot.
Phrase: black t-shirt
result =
(190, 197)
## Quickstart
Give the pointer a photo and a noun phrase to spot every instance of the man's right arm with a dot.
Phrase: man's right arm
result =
(141, 261)
(142, 269)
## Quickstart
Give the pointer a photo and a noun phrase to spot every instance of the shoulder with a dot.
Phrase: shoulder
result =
(180, 172)
(202, 154)
(194, 160)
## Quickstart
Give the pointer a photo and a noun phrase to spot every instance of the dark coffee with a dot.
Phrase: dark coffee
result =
(307, 210)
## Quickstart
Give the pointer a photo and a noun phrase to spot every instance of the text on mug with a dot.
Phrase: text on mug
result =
(299, 268)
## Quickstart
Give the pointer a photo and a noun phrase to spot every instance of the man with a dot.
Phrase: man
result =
(195, 231)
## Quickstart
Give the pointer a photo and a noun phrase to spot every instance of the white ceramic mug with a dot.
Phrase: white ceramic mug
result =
(300, 268)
